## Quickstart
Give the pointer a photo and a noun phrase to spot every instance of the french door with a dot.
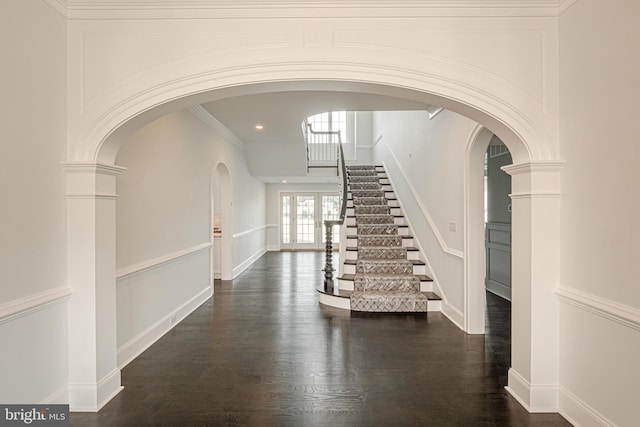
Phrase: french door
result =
(302, 217)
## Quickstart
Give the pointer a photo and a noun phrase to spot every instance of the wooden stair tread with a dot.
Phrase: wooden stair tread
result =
(432, 296)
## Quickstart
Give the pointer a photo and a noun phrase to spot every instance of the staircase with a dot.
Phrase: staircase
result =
(382, 271)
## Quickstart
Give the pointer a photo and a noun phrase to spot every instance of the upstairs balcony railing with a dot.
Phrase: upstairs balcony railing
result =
(322, 147)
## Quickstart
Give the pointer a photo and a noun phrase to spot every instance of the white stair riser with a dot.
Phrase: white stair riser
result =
(434, 305)
(345, 285)
(345, 304)
(425, 286)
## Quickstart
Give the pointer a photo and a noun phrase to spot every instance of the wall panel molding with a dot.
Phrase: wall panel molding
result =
(15, 309)
(620, 313)
(145, 265)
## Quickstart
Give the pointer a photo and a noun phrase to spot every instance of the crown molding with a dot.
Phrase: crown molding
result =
(208, 119)
(203, 9)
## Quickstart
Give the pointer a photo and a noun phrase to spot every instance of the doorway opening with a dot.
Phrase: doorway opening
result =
(497, 219)
(302, 216)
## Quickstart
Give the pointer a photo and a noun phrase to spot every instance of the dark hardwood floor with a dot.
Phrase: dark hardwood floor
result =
(263, 352)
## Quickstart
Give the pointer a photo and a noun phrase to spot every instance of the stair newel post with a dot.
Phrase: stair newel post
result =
(328, 266)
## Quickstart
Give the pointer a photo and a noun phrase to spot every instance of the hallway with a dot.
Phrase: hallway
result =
(263, 352)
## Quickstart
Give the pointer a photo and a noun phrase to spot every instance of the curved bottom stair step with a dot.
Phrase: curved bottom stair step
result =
(389, 302)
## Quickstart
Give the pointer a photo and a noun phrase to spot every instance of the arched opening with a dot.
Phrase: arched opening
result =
(105, 136)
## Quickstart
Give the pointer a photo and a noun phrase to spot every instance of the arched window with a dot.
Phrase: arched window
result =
(333, 121)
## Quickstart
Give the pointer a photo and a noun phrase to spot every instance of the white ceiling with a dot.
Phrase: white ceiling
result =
(281, 113)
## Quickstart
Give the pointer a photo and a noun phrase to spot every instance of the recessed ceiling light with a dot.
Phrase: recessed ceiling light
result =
(284, 181)
(259, 126)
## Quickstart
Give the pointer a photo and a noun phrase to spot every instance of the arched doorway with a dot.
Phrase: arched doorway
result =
(535, 177)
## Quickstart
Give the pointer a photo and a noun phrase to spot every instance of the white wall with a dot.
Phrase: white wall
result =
(33, 366)
(164, 225)
(364, 137)
(425, 161)
(600, 305)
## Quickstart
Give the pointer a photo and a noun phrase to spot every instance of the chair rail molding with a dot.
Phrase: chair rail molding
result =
(145, 265)
(30, 304)
(603, 307)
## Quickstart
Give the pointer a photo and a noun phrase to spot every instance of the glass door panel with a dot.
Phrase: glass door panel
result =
(331, 210)
(285, 225)
(306, 220)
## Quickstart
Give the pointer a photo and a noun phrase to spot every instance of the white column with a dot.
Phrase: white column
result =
(533, 377)
(94, 377)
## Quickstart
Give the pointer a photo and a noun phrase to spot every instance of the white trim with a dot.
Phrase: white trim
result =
(60, 6)
(145, 265)
(89, 167)
(620, 313)
(563, 5)
(334, 301)
(578, 413)
(173, 9)
(247, 263)
(425, 212)
(433, 111)
(93, 196)
(251, 230)
(30, 304)
(206, 118)
(92, 397)
(533, 167)
(135, 346)
(273, 248)
(541, 398)
(551, 195)
(452, 313)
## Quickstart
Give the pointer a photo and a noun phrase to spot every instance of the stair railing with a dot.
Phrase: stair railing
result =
(322, 147)
(342, 182)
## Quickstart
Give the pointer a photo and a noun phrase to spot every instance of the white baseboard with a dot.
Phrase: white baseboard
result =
(453, 314)
(92, 397)
(246, 263)
(578, 413)
(273, 248)
(534, 398)
(141, 342)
